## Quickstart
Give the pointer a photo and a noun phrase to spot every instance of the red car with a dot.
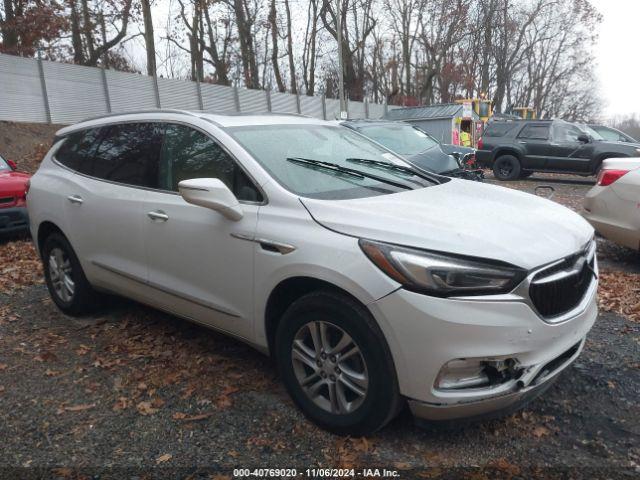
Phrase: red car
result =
(13, 193)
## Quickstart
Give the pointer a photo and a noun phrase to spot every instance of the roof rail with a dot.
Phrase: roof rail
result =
(134, 112)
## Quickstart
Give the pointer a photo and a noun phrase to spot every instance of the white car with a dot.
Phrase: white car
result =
(368, 282)
(613, 205)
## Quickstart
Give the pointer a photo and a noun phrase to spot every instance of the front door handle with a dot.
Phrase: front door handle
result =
(158, 215)
(77, 199)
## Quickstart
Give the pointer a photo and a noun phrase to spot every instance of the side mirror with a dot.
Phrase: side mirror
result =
(213, 194)
(12, 164)
(584, 138)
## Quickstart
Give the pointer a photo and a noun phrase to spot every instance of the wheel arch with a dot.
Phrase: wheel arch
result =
(288, 291)
(45, 229)
(507, 151)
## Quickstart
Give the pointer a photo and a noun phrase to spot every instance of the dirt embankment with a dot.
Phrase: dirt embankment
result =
(26, 143)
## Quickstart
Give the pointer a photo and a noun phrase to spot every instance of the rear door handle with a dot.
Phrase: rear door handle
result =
(158, 215)
(77, 199)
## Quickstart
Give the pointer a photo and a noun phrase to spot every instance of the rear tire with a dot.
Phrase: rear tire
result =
(506, 167)
(354, 394)
(68, 286)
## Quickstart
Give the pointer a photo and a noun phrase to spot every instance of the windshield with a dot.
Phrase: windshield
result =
(273, 145)
(401, 138)
(3, 165)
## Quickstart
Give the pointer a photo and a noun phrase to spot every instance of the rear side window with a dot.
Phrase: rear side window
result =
(535, 132)
(498, 129)
(188, 153)
(77, 148)
(127, 153)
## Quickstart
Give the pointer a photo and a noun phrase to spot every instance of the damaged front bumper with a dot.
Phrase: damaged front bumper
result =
(435, 342)
(503, 399)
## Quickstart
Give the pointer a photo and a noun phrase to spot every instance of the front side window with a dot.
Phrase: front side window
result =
(402, 138)
(535, 132)
(274, 146)
(126, 153)
(565, 132)
(188, 154)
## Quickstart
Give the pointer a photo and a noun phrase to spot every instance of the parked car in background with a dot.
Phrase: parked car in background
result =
(13, 208)
(611, 134)
(370, 282)
(613, 205)
(515, 149)
(419, 148)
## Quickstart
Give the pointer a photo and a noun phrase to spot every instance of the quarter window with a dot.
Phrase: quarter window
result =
(77, 148)
(188, 153)
(535, 132)
(127, 153)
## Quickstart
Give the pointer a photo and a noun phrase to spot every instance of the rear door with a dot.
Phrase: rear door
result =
(534, 140)
(106, 203)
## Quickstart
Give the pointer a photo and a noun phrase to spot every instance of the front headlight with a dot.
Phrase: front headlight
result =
(441, 274)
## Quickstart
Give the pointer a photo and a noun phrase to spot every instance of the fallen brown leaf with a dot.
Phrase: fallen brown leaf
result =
(163, 458)
(540, 431)
(145, 408)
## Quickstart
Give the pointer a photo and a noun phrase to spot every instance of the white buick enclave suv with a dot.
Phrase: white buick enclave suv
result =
(370, 283)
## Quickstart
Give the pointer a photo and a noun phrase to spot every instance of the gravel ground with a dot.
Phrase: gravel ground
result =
(134, 393)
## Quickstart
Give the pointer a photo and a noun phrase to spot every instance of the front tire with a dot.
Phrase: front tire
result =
(336, 365)
(68, 286)
(506, 167)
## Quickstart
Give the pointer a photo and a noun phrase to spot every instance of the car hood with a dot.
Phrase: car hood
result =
(13, 182)
(462, 217)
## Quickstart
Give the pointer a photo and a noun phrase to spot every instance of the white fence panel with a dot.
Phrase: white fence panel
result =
(356, 109)
(253, 100)
(333, 108)
(75, 92)
(130, 91)
(21, 98)
(217, 98)
(283, 103)
(376, 110)
(179, 94)
(311, 106)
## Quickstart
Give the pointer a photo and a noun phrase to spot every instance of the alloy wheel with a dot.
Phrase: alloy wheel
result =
(329, 367)
(60, 273)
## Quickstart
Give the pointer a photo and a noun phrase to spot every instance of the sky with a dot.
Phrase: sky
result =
(618, 65)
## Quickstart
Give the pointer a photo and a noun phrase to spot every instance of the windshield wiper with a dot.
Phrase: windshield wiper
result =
(391, 166)
(334, 167)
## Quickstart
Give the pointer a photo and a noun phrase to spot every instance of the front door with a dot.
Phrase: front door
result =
(567, 152)
(196, 260)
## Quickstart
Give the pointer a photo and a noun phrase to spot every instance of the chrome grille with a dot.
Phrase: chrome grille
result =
(559, 288)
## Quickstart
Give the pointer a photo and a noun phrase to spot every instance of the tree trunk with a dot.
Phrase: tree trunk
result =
(292, 66)
(273, 20)
(76, 36)
(149, 39)
(9, 34)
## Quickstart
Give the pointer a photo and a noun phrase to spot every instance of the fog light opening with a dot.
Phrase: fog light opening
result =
(476, 373)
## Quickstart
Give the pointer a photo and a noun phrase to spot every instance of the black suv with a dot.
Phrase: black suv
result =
(516, 149)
